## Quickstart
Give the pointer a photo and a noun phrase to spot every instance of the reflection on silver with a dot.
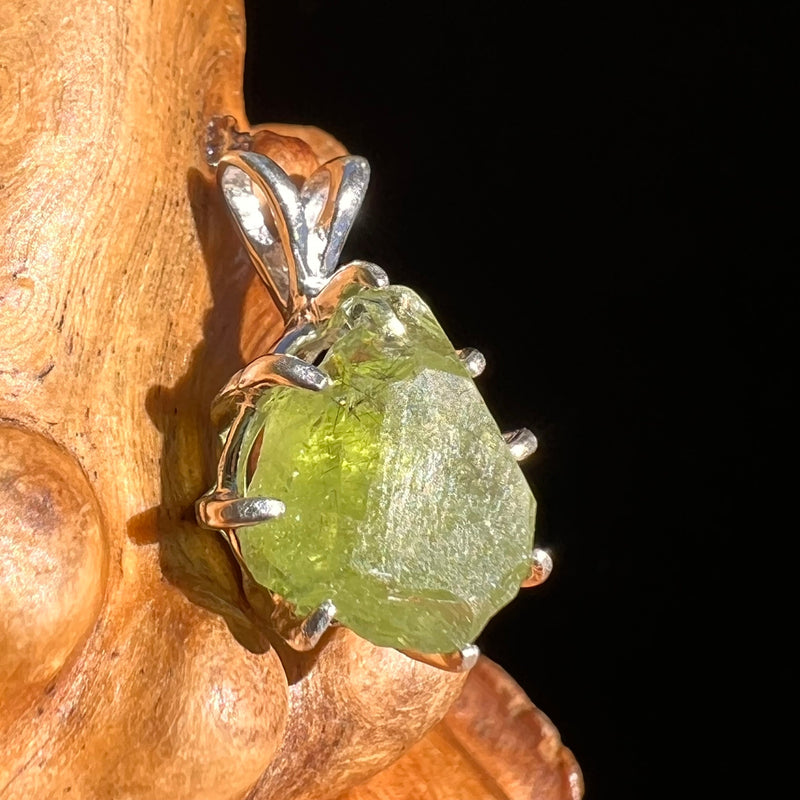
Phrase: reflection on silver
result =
(541, 567)
(359, 273)
(458, 661)
(219, 512)
(522, 443)
(331, 199)
(307, 635)
(222, 507)
(300, 633)
(473, 360)
(276, 370)
(294, 238)
(249, 383)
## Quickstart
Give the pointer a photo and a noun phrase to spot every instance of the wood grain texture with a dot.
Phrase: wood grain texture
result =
(493, 744)
(106, 298)
(355, 713)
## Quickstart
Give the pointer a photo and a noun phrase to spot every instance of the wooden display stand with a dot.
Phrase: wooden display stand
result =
(131, 663)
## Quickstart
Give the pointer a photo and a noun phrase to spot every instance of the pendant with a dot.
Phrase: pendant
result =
(362, 479)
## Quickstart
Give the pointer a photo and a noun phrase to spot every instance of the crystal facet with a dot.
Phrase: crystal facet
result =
(404, 505)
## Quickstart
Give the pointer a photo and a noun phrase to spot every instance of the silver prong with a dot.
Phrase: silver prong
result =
(225, 512)
(457, 661)
(310, 630)
(541, 567)
(521, 442)
(362, 272)
(358, 273)
(270, 370)
(473, 360)
(280, 370)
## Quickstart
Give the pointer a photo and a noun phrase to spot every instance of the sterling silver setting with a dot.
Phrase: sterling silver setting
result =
(294, 239)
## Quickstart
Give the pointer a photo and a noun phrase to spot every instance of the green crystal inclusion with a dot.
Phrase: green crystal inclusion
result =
(403, 503)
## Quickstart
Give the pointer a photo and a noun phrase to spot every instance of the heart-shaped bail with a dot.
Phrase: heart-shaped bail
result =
(293, 237)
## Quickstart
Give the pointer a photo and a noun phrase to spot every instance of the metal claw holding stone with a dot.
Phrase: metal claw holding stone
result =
(219, 512)
(473, 360)
(461, 660)
(223, 507)
(522, 443)
(541, 567)
(361, 480)
(305, 634)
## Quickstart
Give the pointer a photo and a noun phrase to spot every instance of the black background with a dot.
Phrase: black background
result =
(598, 199)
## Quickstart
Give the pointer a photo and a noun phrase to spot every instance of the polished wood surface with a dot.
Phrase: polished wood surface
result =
(493, 744)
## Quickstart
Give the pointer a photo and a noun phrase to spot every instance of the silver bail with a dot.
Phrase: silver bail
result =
(293, 237)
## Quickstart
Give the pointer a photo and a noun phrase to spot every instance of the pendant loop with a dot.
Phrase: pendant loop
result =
(293, 237)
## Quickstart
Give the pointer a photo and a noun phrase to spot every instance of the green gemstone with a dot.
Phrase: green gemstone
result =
(404, 505)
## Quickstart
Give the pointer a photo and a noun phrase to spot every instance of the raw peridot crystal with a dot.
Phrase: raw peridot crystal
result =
(404, 505)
